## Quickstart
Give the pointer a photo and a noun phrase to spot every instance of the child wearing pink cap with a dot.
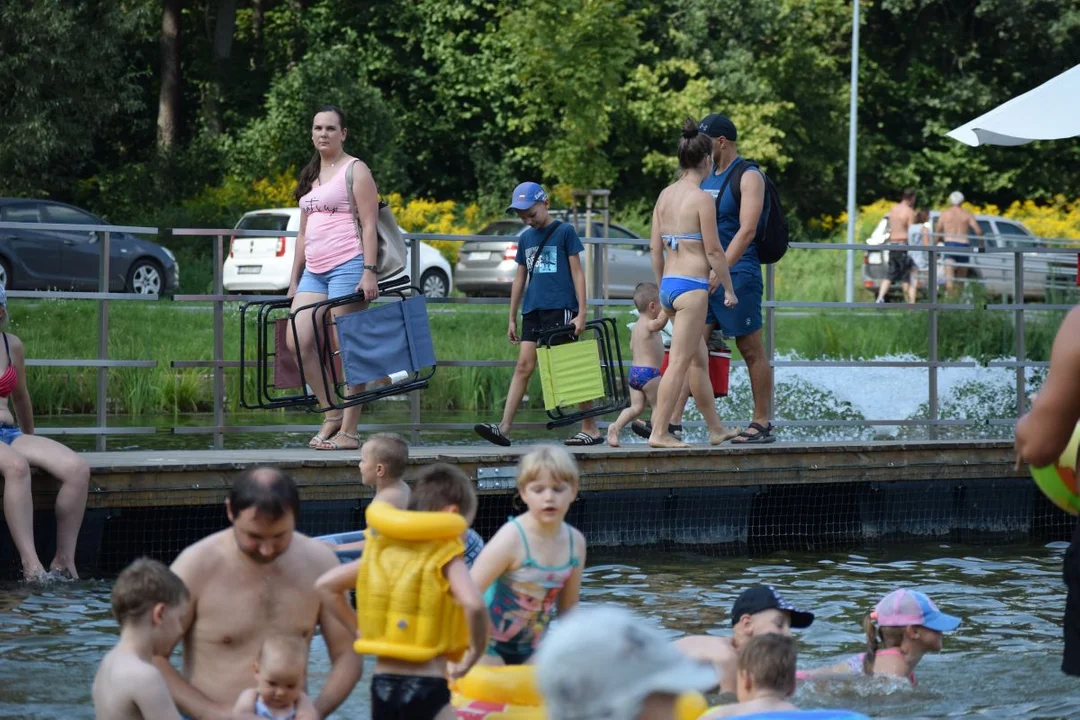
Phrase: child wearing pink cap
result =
(904, 626)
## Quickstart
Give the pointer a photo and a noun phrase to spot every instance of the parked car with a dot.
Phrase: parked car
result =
(264, 264)
(487, 267)
(70, 259)
(994, 271)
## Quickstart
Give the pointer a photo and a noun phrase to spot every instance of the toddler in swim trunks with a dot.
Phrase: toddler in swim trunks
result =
(279, 672)
(647, 351)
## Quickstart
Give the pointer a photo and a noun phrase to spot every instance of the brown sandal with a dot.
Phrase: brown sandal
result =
(332, 444)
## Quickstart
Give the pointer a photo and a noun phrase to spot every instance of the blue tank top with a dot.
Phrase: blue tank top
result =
(727, 220)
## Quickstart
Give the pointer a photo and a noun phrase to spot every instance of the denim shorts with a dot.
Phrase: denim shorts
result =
(335, 282)
(9, 433)
(744, 318)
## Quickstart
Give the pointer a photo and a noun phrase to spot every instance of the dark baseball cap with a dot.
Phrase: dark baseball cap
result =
(717, 125)
(762, 597)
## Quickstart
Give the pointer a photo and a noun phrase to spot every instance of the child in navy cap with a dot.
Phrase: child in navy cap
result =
(550, 281)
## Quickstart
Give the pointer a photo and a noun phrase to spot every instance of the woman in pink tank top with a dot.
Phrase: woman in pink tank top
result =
(330, 261)
(20, 450)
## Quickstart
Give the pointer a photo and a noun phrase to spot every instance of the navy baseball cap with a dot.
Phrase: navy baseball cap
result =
(762, 597)
(526, 195)
(717, 125)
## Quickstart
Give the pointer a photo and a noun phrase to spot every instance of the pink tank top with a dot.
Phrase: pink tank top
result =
(330, 238)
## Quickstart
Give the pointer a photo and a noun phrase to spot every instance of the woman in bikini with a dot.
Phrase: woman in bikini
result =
(330, 261)
(684, 222)
(20, 450)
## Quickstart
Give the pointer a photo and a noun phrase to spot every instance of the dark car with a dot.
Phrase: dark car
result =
(70, 259)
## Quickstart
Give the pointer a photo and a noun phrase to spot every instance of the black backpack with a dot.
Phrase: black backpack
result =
(772, 238)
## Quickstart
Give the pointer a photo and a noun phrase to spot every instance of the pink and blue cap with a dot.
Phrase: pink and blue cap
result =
(901, 608)
(526, 195)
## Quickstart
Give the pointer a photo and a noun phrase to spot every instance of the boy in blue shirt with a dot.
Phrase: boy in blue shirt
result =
(549, 276)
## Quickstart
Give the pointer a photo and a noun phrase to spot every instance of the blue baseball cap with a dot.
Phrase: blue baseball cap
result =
(526, 195)
(911, 607)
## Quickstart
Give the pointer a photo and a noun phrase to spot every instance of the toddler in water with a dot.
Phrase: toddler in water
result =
(279, 672)
(765, 679)
(647, 350)
(903, 627)
(532, 567)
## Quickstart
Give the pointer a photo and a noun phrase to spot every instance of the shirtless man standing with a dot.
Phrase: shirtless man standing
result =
(901, 216)
(248, 582)
(955, 223)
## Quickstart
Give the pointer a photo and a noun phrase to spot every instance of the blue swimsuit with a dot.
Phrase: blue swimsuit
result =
(672, 286)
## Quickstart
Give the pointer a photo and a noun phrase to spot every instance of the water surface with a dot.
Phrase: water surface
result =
(1002, 663)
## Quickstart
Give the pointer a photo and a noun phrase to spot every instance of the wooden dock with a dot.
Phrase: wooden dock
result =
(193, 477)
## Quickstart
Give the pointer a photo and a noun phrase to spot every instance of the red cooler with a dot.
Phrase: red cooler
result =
(719, 370)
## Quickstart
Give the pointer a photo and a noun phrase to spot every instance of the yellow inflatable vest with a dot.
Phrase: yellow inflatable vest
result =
(404, 608)
(495, 692)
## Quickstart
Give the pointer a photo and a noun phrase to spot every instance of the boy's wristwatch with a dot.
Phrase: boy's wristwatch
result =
(372, 268)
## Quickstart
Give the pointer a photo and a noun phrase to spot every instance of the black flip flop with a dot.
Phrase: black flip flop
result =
(763, 436)
(643, 429)
(584, 439)
(492, 434)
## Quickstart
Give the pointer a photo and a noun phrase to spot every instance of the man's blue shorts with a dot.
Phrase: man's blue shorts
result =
(744, 318)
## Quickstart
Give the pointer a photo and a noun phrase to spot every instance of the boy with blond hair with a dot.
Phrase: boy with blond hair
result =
(149, 601)
(647, 353)
(765, 678)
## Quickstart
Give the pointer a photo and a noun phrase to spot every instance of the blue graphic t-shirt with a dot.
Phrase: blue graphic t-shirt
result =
(727, 220)
(551, 286)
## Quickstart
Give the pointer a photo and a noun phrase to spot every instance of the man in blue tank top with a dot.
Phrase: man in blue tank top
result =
(737, 224)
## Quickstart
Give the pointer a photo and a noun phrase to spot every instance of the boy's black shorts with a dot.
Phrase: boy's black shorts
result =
(407, 697)
(536, 323)
(1070, 660)
(900, 266)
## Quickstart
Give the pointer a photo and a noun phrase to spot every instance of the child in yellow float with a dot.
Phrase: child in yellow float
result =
(532, 567)
(417, 606)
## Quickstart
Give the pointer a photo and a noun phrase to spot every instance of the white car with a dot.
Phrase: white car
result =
(263, 264)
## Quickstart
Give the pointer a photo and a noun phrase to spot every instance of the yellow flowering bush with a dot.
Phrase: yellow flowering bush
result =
(438, 217)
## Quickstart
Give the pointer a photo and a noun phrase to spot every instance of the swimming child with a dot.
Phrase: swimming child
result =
(647, 351)
(279, 674)
(149, 601)
(685, 247)
(383, 459)
(766, 677)
(759, 610)
(904, 626)
(418, 609)
(531, 568)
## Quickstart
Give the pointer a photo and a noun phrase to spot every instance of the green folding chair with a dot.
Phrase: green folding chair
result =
(585, 370)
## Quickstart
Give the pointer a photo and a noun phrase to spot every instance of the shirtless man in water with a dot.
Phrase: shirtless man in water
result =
(901, 216)
(251, 581)
(956, 224)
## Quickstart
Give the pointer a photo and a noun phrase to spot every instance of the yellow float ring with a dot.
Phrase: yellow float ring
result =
(496, 692)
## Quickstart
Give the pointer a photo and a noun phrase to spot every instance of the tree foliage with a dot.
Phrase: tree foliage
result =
(463, 98)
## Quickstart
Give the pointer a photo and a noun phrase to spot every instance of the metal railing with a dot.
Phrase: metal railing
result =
(598, 265)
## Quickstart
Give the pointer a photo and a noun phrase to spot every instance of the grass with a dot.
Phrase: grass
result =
(166, 331)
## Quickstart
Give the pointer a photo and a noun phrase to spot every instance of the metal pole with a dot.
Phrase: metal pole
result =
(103, 343)
(849, 289)
(931, 340)
(1021, 349)
(770, 334)
(219, 344)
(414, 397)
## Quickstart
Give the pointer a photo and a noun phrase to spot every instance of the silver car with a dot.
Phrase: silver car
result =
(487, 267)
(994, 271)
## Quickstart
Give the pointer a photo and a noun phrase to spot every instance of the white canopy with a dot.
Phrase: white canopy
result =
(1049, 112)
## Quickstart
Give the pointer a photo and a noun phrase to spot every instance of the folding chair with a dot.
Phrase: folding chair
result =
(586, 369)
(391, 340)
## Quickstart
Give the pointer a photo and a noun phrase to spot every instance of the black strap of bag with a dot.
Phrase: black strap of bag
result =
(540, 247)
